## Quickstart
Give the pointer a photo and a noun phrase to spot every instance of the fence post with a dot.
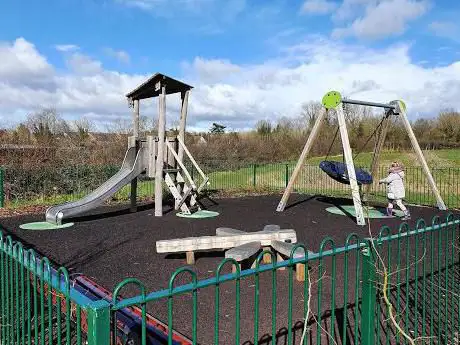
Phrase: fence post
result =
(286, 175)
(254, 173)
(369, 293)
(2, 187)
(99, 323)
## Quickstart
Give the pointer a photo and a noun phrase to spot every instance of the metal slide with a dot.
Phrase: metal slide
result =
(133, 165)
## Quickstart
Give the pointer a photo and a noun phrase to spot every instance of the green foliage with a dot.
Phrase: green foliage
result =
(24, 183)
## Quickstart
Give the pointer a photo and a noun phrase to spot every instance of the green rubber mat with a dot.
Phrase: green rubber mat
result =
(199, 214)
(44, 226)
(369, 212)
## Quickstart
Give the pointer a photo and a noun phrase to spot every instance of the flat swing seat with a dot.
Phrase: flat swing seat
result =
(338, 171)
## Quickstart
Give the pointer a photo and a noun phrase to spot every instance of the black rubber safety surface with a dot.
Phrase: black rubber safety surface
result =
(112, 244)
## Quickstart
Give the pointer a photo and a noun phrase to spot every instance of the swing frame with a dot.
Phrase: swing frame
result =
(333, 101)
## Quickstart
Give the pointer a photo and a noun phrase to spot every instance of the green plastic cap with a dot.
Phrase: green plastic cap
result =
(402, 105)
(331, 99)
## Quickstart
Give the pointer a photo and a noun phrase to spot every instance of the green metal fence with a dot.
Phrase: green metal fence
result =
(38, 304)
(349, 295)
(51, 186)
(345, 297)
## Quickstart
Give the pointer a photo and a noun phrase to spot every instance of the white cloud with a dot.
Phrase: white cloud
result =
(120, 55)
(385, 18)
(66, 47)
(318, 6)
(232, 94)
(210, 71)
(21, 64)
(445, 29)
(350, 9)
(82, 64)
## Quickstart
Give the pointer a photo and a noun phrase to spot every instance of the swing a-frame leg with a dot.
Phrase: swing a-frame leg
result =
(303, 155)
(418, 151)
(355, 193)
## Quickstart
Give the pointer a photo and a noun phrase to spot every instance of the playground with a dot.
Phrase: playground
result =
(187, 235)
(111, 244)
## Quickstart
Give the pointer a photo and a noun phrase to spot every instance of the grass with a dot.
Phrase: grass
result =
(445, 166)
(447, 158)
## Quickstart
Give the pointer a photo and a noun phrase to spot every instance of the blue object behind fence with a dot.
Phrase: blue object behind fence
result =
(338, 171)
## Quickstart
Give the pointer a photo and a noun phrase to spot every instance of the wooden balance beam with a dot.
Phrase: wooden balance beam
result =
(241, 245)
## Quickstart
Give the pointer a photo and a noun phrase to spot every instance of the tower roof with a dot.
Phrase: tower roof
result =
(149, 88)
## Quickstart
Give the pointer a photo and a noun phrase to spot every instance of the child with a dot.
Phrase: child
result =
(395, 188)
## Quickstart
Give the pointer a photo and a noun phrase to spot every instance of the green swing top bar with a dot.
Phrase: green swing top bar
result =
(333, 98)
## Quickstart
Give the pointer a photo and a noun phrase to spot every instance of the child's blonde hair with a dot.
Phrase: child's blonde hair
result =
(395, 165)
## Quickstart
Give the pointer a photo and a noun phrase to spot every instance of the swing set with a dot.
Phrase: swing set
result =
(345, 172)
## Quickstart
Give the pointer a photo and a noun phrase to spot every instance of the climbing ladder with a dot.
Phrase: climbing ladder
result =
(184, 190)
(176, 175)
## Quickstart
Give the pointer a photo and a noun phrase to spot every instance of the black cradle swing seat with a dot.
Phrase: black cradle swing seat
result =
(338, 171)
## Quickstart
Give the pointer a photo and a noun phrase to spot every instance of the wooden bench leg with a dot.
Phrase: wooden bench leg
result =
(267, 259)
(190, 256)
(300, 272)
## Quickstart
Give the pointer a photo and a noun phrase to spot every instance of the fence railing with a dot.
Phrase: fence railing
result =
(39, 304)
(371, 290)
(351, 294)
(51, 186)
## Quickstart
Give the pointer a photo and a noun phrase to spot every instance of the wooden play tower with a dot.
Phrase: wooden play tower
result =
(165, 155)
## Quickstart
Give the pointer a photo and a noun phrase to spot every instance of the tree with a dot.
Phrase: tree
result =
(45, 125)
(263, 127)
(21, 134)
(217, 128)
(120, 126)
(147, 125)
(449, 126)
(310, 112)
(83, 127)
(284, 125)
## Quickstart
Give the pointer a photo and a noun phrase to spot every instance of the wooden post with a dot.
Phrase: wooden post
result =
(160, 153)
(133, 194)
(183, 121)
(267, 258)
(421, 158)
(377, 150)
(300, 272)
(182, 124)
(190, 257)
(350, 165)
(172, 164)
(170, 157)
(136, 118)
(303, 155)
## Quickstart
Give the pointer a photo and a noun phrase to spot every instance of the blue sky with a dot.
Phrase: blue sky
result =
(238, 53)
